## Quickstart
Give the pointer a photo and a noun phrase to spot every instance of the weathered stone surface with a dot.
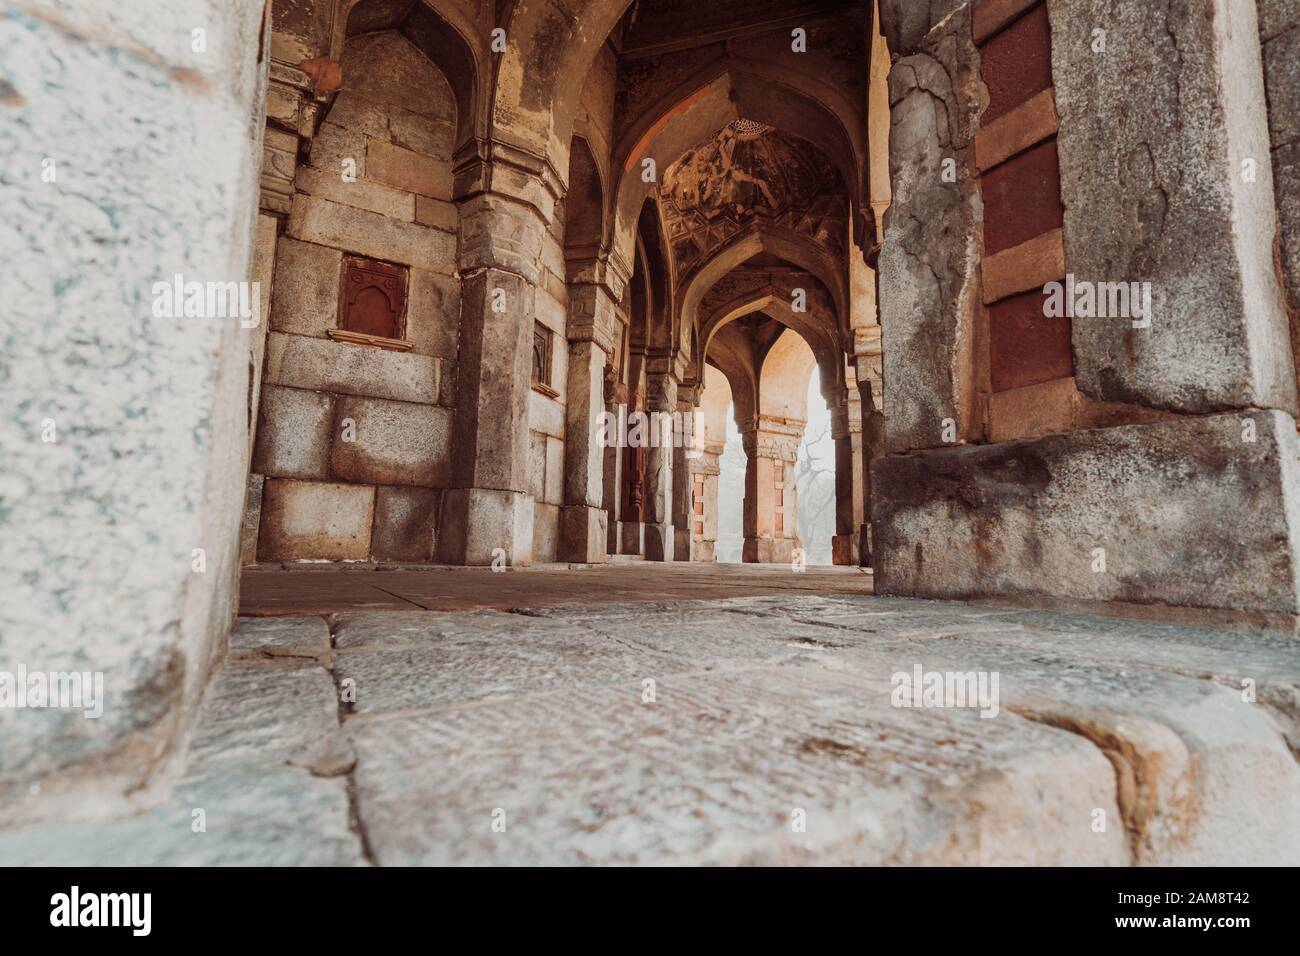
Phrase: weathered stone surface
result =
(1152, 142)
(546, 530)
(252, 520)
(397, 443)
(405, 519)
(1192, 512)
(155, 159)
(759, 708)
(1282, 85)
(258, 638)
(408, 170)
(293, 433)
(306, 296)
(311, 519)
(326, 223)
(928, 262)
(433, 315)
(376, 197)
(905, 23)
(351, 369)
(481, 526)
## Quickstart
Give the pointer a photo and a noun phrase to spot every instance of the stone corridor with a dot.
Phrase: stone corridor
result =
(1113, 741)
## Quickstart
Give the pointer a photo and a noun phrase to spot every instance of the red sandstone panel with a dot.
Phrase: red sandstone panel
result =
(1026, 347)
(1022, 198)
(1017, 63)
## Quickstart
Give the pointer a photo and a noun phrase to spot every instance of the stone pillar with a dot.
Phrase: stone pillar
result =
(1176, 103)
(591, 326)
(125, 432)
(688, 446)
(771, 450)
(293, 104)
(704, 471)
(505, 200)
(846, 431)
(870, 384)
(661, 402)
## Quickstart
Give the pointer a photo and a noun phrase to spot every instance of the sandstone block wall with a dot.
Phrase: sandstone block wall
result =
(354, 441)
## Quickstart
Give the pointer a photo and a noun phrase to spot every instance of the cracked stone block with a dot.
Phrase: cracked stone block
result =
(1196, 512)
(1153, 136)
(263, 713)
(929, 259)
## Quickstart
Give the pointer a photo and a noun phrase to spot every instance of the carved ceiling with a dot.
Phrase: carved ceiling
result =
(747, 173)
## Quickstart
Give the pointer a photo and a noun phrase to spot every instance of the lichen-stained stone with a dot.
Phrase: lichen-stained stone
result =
(1155, 135)
(327, 223)
(405, 520)
(929, 259)
(153, 149)
(396, 443)
(1286, 177)
(312, 519)
(1196, 512)
(1282, 84)
(293, 433)
(1275, 16)
(349, 369)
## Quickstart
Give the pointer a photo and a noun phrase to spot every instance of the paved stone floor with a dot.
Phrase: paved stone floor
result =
(748, 729)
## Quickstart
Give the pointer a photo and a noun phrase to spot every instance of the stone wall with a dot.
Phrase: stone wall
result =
(354, 439)
(129, 153)
(1279, 33)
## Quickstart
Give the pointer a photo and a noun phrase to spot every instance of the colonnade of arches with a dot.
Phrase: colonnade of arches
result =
(716, 203)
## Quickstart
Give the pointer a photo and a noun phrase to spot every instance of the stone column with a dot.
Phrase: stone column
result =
(505, 200)
(688, 446)
(771, 449)
(846, 431)
(293, 103)
(125, 449)
(584, 523)
(704, 471)
(870, 384)
(661, 402)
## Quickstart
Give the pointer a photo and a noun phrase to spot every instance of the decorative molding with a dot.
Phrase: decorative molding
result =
(378, 341)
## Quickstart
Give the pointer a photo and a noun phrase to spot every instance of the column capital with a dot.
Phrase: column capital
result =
(496, 167)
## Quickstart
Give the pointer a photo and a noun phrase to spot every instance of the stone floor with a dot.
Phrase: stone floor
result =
(627, 729)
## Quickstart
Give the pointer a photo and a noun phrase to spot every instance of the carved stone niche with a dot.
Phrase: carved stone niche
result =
(372, 304)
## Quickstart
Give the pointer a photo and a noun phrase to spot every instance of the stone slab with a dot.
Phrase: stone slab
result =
(1192, 512)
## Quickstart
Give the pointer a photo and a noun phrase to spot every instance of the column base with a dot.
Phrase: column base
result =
(481, 525)
(705, 551)
(631, 537)
(768, 550)
(1182, 513)
(583, 534)
(659, 542)
(864, 547)
(844, 549)
(682, 545)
